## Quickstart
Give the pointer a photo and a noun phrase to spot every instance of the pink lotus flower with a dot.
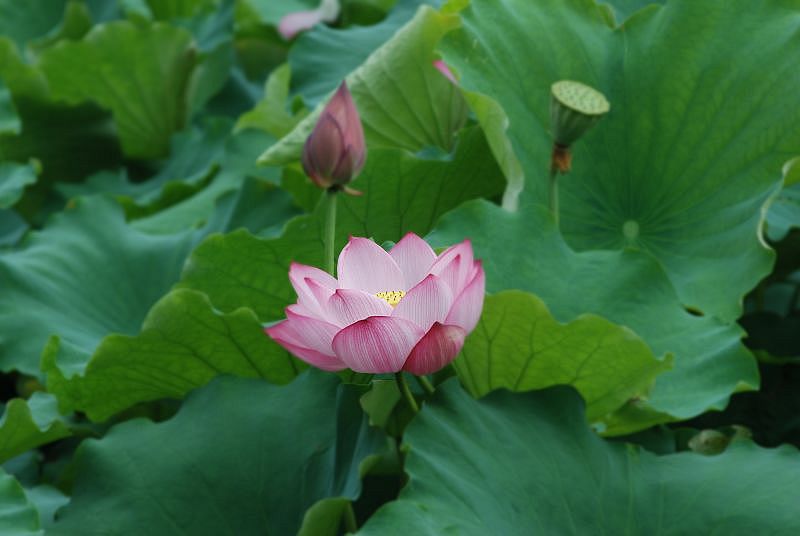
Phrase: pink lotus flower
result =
(335, 150)
(299, 21)
(403, 310)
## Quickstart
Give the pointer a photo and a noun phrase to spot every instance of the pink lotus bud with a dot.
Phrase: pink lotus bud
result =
(335, 151)
(406, 309)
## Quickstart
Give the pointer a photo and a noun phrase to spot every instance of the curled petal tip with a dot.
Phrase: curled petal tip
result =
(442, 67)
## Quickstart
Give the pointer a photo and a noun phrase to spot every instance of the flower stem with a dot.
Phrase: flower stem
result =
(330, 228)
(403, 386)
(350, 524)
(554, 193)
(425, 384)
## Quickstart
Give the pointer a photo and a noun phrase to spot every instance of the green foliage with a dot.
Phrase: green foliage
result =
(564, 479)
(98, 68)
(17, 515)
(679, 168)
(13, 180)
(523, 250)
(86, 275)
(393, 182)
(388, 105)
(184, 344)
(519, 346)
(245, 476)
(152, 199)
(26, 424)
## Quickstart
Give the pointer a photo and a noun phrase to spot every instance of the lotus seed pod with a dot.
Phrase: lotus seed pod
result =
(574, 109)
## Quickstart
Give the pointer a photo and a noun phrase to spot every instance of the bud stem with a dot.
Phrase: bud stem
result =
(330, 228)
(425, 384)
(403, 386)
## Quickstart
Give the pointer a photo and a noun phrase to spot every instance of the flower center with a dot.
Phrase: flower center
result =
(392, 297)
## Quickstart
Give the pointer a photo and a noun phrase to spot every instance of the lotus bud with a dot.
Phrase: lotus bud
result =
(335, 151)
(574, 109)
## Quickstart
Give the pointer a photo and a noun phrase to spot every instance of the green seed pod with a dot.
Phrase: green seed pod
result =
(574, 109)
(709, 442)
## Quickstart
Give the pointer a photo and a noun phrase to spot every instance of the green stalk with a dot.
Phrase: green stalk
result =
(330, 229)
(403, 386)
(554, 193)
(425, 384)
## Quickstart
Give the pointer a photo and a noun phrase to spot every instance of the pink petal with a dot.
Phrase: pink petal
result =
(294, 23)
(445, 70)
(346, 306)
(426, 303)
(324, 147)
(378, 344)
(312, 332)
(365, 265)
(285, 334)
(414, 257)
(318, 303)
(298, 276)
(456, 275)
(343, 109)
(437, 348)
(467, 307)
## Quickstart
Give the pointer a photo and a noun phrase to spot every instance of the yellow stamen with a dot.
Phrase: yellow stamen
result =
(391, 297)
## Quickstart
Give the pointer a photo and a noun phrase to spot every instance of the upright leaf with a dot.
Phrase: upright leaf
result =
(141, 73)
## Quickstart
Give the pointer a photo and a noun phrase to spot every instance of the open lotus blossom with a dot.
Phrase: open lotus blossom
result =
(406, 309)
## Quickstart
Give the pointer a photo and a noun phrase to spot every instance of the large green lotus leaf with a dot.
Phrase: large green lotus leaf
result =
(228, 174)
(321, 58)
(85, 275)
(240, 457)
(230, 201)
(625, 8)
(519, 346)
(18, 516)
(684, 162)
(13, 180)
(47, 499)
(26, 424)
(24, 21)
(402, 99)
(12, 227)
(257, 206)
(142, 73)
(523, 250)
(528, 464)
(784, 211)
(70, 142)
(183, 345)
(194, 156)
(402, 193)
